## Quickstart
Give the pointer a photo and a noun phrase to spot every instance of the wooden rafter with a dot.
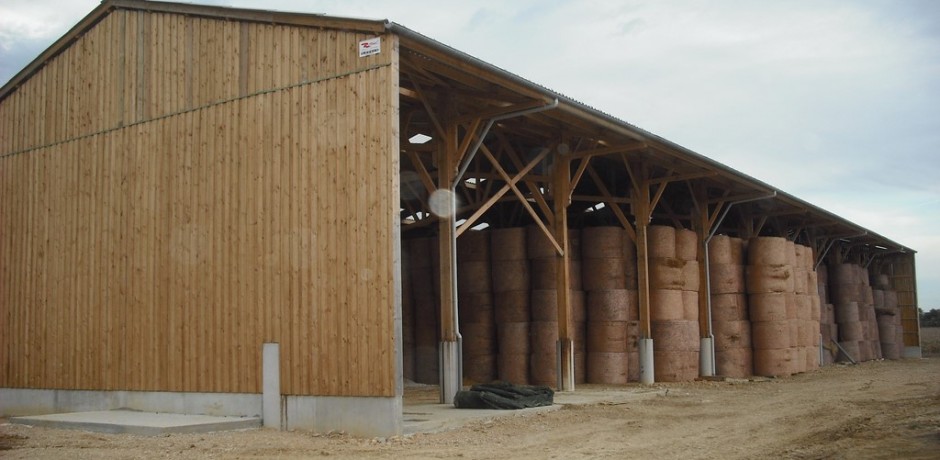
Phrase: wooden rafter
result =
(510, 185)
(610, 202)
(534, 189)
(422, 171)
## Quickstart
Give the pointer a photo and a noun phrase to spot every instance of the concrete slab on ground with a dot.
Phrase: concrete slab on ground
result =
(421, 416)
(139, 423)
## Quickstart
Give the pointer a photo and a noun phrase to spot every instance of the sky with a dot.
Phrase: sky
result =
(836, 102)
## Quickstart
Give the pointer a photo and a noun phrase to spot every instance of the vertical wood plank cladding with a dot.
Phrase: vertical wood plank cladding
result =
(159, 256)
(134, 66)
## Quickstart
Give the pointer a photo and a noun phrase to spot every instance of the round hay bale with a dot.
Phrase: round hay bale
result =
(577, 302)
(510, 275)
(675, 365)
(544, 305)
(475, 307)
(426, 365)
(878, 298)
(580, 367)
(606, 336)
(887, 329)
(768, 307)
(633, 366)
(607, 368)
(542, 273)
(767, 335)
(602, 243)
(881, 281)
(690, 305)
(473, 246)
(738, 250)
(842, 293)
(775, 362)
(474, 276)
(719, 251)
(610, 304)
(479, 368)
(809, 333)
(769, 278)
(666, 273)
(847, 312)
(794, 333)
(629, 249)
(511, 307)
(729, 307)
(726, 278)
(544, 336)
(478, 338)
(633, 336)
(661, 241)
(675, 335)
(735, 363)
(513, 368)
(543, 368)
(666, 305)
(791, 254)
(538, 246)
(768, 250)
(508, 244)
(851, 331)
(574, 274)
(419, 252)
(686, 244)
(691, 280)
(852, 348)
(842, 274)
(513, 338)
(599, 274)
(732, 334)
(800, 279)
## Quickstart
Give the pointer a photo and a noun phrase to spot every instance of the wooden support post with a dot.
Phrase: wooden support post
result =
(703, 228)
(447, 239)
(642, 212)
(565, 348)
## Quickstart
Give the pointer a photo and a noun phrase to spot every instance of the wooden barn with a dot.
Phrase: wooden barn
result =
(242, 212)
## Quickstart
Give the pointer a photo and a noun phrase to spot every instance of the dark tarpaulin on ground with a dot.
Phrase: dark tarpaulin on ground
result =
(503, 395)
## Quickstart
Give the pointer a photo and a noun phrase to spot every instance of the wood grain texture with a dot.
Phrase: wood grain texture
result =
(156, 229)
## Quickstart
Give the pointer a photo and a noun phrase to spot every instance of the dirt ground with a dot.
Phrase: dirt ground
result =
(884, 409)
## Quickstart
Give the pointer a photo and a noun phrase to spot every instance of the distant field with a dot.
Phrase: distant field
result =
(930, 341)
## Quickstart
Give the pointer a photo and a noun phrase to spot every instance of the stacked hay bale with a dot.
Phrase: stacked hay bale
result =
(828, 327)
(424, 293)
(604, 275)
(475, 307)
(543, 263)
(853, 299)
(510, 276)
(674, 282)
(731, 325)
(633, 309)
(805, 318)
(770, 287)
(889, 317)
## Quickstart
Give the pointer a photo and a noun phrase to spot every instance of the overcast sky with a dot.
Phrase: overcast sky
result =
(836, 102)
